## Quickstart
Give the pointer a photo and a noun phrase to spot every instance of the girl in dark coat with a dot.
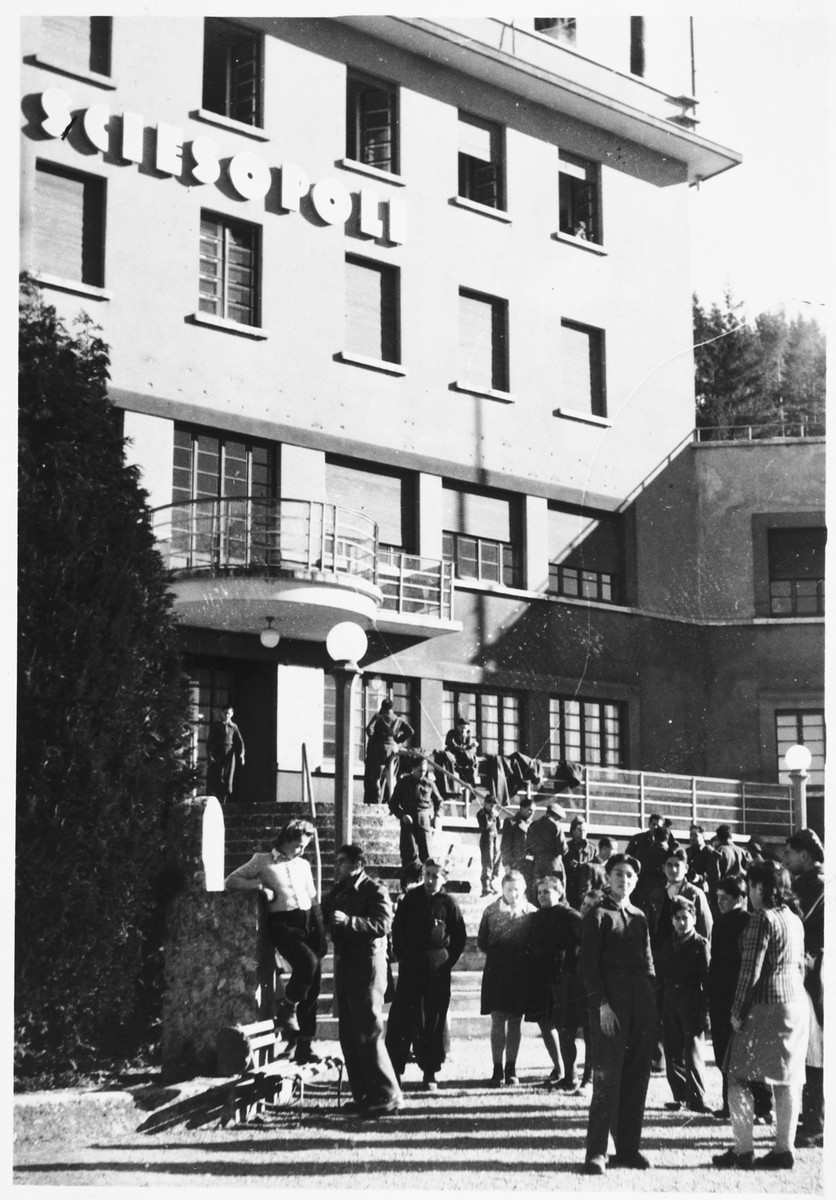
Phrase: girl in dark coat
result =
(555, 941)
(504, 934)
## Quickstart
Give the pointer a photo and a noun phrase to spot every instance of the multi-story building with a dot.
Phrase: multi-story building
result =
(400, 325)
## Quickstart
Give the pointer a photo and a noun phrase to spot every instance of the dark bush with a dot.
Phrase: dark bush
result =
(102, 712)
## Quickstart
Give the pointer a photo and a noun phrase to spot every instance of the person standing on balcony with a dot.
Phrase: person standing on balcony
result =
(359, 913)
(225, 753)
(428, 937)
(463, 748)
(385, 733)
(295, 924)
(416, 802)
(805, 862)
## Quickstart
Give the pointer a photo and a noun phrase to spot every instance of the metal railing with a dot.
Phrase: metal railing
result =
(618, 801)
(758, 431)
(247, 535)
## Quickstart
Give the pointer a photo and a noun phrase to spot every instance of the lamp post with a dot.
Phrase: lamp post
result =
(346, 644)
(798, 759)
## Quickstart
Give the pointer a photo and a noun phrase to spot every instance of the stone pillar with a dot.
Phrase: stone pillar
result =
(219, 963)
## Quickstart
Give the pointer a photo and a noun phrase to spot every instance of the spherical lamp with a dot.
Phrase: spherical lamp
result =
(346, 642)
(798, 758)
(269, 637)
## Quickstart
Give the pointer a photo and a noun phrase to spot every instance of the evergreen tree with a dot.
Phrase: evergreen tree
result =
(102, 710)
(766, 375)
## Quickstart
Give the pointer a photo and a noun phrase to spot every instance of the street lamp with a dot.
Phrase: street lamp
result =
(346, 644)
(798, 759)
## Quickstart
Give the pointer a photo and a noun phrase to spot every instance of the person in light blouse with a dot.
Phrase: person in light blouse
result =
(296, 927)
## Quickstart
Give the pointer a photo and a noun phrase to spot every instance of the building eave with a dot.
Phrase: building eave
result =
(554, 77)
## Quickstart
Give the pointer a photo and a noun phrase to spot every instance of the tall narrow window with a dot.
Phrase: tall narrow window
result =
(69, 224)
(580, 211)
(796, 571)
(481, 166)
(232, 71)
(77, 43)
(228, 269)
(483, 342)
(222, 493)
(587, 731)
(482, 534)
(582, 385)
(495, 717)
(803, 727)
(371, 309)
(637, 46)
(371, 123)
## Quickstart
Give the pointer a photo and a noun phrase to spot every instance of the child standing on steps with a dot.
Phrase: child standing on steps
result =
(504, 937)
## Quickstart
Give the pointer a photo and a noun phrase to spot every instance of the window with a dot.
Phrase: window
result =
(221, 491)
(579, 197)
(582, 385)
(587, 731)
(804, 727)
(385, 495)
(585, 551)
(481, 167)
(79, 44)
(796, 571)
(371, 309)
(228, 269)
(637, 46)
(483, 342)
(69, 224)
(402, 692)
(482, 534)
(371, 123)
(562, 29)
(231, 71)
(495, 717)
(211, 691)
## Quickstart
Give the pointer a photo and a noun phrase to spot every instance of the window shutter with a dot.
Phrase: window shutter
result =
(590, 539)
(477, 514)
(475, 139)
(67, 40)
(68, 225)
(476, 341)
(796, 553)
(575, 369)
(371, 311)
(385, 497)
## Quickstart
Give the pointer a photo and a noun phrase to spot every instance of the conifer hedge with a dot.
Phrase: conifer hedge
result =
(101, 722)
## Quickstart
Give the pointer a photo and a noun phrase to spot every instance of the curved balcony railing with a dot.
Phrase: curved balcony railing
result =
(247, 535)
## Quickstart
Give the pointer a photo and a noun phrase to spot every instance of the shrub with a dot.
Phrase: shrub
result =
(102, 711)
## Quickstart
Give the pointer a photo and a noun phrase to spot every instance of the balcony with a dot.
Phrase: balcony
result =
(229, 559)
(759, 431)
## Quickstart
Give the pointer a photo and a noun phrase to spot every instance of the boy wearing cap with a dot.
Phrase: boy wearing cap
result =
(545, 846)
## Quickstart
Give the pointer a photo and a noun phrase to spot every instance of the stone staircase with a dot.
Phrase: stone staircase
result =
(251, 827)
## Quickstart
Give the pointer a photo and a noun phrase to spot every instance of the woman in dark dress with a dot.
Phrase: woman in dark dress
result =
(555, 940)
(504, 935)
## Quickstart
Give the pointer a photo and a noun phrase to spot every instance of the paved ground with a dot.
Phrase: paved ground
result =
(465, 1137)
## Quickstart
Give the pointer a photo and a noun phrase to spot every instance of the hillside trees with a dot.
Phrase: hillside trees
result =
(768, 374)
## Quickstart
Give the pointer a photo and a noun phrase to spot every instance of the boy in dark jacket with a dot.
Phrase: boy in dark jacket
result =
(489, 822)
(682, 961)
